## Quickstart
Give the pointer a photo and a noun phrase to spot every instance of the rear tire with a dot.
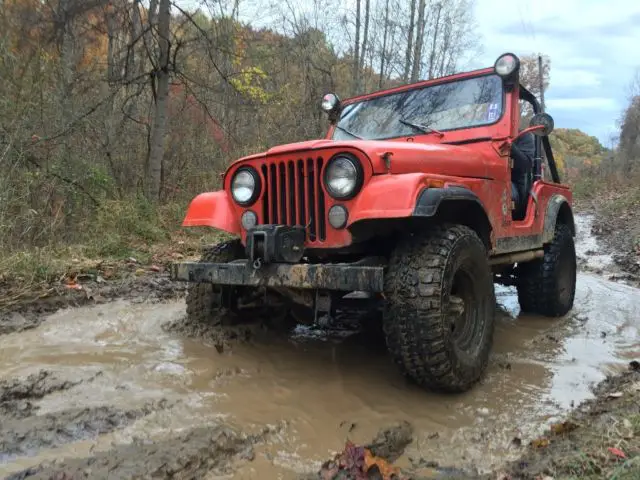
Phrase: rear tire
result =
(440, 310)
(547, 286)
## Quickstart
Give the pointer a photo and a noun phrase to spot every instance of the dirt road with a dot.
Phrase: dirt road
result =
(112, 392)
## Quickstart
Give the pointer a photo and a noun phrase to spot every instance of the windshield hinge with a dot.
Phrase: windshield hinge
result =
(386, 156)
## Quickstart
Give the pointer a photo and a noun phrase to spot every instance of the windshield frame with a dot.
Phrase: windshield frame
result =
(422, 85)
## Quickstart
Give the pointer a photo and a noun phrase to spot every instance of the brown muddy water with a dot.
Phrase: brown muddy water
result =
(122, 379)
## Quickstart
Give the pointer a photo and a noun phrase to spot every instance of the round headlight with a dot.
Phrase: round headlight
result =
(343, 177)
(507, 64)
(245, 186)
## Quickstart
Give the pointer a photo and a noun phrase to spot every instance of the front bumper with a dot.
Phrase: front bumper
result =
(345, 276)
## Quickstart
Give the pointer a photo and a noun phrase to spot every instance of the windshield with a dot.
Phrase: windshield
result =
(459, 104)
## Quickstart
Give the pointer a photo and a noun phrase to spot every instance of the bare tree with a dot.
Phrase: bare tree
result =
(383, 52)
(356, 51)
(409, 50)
(365, 35)
(161, 96)
(417, 53)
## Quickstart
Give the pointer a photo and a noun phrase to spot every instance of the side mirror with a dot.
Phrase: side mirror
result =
(541, 119)
(331, 105)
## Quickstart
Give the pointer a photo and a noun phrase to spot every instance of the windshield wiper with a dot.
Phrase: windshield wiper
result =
(421, 128)
(348, 132)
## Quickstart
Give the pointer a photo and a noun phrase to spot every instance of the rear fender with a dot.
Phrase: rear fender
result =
(558, 208)
(212, 209)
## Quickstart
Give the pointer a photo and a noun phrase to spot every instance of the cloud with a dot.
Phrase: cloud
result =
(591, 45)
(603, 103)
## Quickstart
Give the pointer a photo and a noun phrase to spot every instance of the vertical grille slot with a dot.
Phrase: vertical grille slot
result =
(311, 183)
(265, 198)
(291, 180)
(322, 227)
(302, 217)
(282, 193)
(273, 185)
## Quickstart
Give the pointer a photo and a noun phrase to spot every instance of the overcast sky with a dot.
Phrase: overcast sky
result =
(594, 46)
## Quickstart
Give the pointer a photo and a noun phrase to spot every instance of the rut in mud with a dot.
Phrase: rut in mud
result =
(159, 400)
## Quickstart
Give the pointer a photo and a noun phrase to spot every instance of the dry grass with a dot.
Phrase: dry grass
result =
(118, 232)
(602, 443)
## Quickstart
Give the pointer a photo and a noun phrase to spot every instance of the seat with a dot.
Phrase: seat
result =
(523, 152)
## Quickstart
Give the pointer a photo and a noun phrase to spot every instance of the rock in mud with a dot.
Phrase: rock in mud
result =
(221, 337)
(25, 436)
(16, 322)
(204, 452)
(391, 442)
(17, 395)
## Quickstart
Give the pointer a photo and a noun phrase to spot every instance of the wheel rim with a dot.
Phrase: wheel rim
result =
(464, 305)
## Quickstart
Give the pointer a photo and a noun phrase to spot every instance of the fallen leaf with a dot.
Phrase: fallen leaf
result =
(615, 394)
(74, 286)
(540, 442)
(617, 452)
(132, 260)
(140, 271)
(387, 471)
(154, 268)
(564, 427)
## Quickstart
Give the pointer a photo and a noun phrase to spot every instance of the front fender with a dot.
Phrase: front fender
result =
(212, 209)
(388, 196)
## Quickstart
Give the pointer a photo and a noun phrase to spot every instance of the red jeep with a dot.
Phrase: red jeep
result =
(421, 196)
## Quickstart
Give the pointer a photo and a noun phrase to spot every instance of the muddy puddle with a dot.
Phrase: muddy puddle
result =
(119, 378)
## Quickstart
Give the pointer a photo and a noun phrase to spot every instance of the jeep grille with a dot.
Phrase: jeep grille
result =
(294, 196)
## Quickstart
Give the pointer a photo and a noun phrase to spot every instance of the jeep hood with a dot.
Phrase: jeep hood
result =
(406, 157)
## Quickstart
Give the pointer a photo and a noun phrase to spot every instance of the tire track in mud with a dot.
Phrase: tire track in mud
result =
(23, 432)
(200, 453)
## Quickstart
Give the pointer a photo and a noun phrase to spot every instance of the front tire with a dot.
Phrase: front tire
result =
(547, 286)
(208, 303)
(440, 308)
(223, 307)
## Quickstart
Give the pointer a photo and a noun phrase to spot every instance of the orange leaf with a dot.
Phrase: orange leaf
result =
(386, 469)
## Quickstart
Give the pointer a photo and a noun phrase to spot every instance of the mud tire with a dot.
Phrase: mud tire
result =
(417, 321)
(201, 297)
(547, 286)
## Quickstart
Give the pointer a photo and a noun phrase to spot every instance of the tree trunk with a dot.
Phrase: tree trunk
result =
(417, 53)
(67, 62)
(356, 50)
(159, 129)
(409, 52)
(383, 55)
(434, 43)
(365, 36)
